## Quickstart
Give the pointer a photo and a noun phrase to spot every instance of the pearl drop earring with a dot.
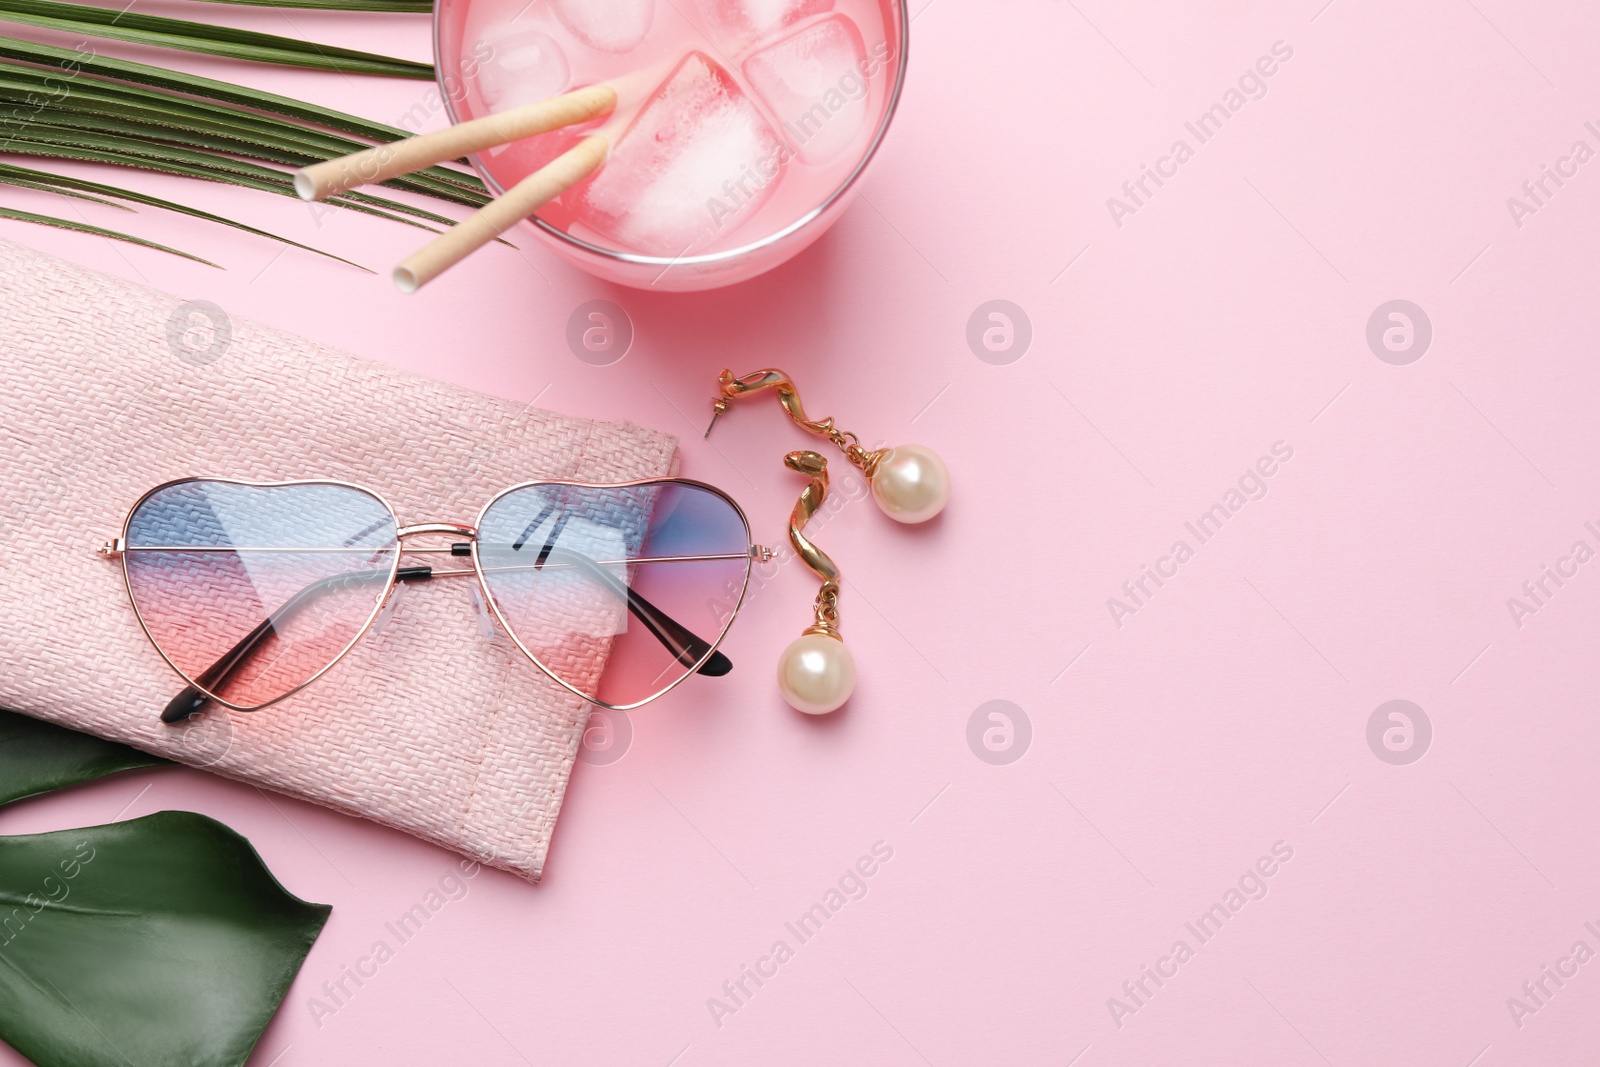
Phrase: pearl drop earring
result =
(816, 673)
(909, 482)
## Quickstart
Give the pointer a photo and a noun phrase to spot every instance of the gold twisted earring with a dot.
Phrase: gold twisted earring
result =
(909, 482)
(816, 673)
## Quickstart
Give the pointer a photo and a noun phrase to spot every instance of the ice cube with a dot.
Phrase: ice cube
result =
(609, 25)
(743, 21)
(813, 83)
(518, 65)
(698, 160)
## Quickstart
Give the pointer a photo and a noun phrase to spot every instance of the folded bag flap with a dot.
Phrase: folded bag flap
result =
(434, 723)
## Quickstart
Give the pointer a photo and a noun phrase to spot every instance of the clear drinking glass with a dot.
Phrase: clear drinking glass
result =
(747, 128)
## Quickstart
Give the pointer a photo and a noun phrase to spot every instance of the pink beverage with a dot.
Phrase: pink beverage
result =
(742, 127)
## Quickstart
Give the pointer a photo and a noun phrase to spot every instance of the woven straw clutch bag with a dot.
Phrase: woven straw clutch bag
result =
(433, 724)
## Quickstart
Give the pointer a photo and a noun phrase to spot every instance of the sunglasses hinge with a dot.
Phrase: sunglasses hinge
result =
(113, 548)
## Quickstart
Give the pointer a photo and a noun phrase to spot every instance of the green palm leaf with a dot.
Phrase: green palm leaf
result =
(143, 127)
(77, 63)
(100, 231)
(82, 106)
(409, 7)
(60, 184)
(187, 36)
(46, 187)
(68, 143)
(19, 85)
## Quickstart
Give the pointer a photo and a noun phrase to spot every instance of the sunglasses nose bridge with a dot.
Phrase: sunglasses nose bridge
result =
(454, 529)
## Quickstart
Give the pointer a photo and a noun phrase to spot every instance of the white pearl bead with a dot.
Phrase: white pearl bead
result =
(816, 674)
(911, 483)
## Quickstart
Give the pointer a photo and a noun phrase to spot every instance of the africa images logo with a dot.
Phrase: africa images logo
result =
(852, 885)
(1137, 592)
(1251, 85)
(1138, 992)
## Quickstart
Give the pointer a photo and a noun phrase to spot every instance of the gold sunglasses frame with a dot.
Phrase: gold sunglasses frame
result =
(119, 548)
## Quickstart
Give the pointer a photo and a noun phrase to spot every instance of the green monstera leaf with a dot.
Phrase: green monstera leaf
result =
(162, 940)
(36, 757)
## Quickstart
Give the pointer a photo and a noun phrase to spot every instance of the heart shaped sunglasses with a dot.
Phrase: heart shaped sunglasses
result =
(252, 591)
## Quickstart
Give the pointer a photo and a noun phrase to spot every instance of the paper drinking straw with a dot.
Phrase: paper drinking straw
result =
(382, 162)
(499, 215)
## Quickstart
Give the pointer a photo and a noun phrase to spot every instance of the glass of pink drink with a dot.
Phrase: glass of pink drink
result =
(744, 129)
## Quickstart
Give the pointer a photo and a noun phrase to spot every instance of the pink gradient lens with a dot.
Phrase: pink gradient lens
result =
(621, 592)
(252, 591)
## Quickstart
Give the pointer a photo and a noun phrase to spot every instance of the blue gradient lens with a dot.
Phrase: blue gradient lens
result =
(620, 592)
(252, 591)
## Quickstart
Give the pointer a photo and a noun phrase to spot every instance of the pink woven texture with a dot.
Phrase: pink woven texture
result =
(434, 724)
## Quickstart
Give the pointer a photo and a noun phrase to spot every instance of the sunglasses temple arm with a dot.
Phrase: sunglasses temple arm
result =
(193, 700)
(686, 647)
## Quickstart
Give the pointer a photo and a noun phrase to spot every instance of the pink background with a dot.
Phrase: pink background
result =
(1168, 754)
